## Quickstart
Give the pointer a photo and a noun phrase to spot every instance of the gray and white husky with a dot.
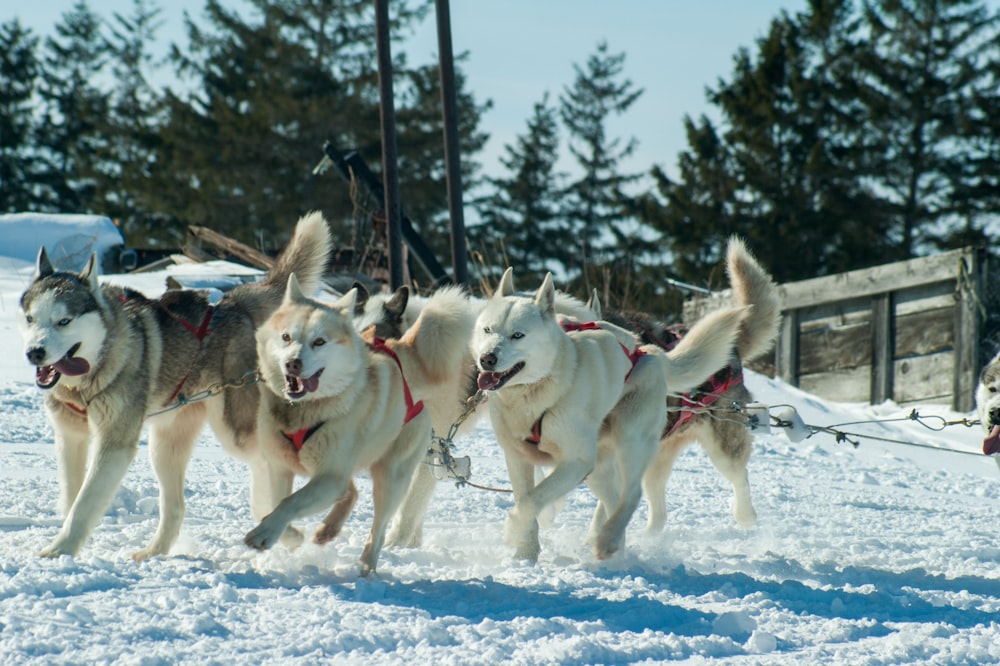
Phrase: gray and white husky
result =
(988, 405)
(111, 360)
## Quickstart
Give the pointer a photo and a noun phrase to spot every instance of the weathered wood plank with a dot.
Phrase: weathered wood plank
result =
(924, 378)
(848, 385)
(787, 362)
(925, 332)
(835, 348)
(968, 320)
(881, 347)
(870, 281)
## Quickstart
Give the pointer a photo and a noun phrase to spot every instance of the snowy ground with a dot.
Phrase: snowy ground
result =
(881, 554)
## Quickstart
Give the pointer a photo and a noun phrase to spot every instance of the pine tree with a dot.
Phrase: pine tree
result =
(610, 243)
(73, 132)
(521, 222)
(135, 117)
(18, 78)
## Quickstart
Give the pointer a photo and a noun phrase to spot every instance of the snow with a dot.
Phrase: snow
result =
(882, 553)
(68, 239)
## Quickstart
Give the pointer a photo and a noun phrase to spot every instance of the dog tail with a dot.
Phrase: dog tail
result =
(706, 348)
(306, 255)
(753, 286)
(441, 332)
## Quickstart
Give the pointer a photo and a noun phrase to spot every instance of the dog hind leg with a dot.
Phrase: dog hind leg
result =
(407, 528)
(654, 481)
(733, 466)
(171, 441)
(334, 520)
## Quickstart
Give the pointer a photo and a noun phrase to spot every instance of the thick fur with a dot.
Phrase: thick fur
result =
(360, 400)
(110, 357)
(988, 405)
(574, 401)
(726, 439)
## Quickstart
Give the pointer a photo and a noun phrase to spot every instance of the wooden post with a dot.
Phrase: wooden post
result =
(390, 171)
(882, 346)
(968, 318)
(452, 151)
(787, 362)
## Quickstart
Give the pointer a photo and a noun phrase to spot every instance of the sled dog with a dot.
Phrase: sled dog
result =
(725, 438)
(336, 402)
(111, 360)
(583, 399)
(988, 405)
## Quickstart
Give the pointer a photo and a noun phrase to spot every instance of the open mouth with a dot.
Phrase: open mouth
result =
(297, 387)
(47, 376)
(494, 381)
(991, 444)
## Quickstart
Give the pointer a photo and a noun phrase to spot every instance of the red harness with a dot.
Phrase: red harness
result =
(536, 430)
(706, 395)
(299, 437)
(200, 333)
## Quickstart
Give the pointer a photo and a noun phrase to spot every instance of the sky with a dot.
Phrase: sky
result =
(521, 49)
(881, 554)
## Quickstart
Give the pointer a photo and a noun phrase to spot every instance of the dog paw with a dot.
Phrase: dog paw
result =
(745, 515)
(325, 534)
(265, 535)
(57, 548)
(528, 552)
(292, 538)
(404, 539)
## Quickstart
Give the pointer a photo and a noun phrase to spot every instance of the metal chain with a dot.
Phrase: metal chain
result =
(248, 378)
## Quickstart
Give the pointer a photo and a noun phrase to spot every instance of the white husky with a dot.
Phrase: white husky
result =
(586, 402)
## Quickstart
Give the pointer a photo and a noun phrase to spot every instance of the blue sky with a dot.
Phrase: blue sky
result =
(519, 49)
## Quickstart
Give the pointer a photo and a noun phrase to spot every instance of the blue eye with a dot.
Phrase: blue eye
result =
(63, 322)
(517, 335)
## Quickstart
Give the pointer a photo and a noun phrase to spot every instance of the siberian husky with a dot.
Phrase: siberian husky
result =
(111, 360)
(722, 433)
(336, 402)
(988, 405)
(584, 400)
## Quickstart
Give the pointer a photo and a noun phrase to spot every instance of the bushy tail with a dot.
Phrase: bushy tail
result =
(306, 255)
(442, 331)
(753, 286)
(706, 348)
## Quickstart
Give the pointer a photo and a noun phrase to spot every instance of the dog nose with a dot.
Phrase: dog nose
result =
(994, 416)
(488, 361)
(294, 366)
(36, 355)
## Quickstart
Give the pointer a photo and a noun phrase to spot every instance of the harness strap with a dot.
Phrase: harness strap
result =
(200, 332)
(299, 437)
(412, 408)
(82, 411)
(707, 394)
(633, 355)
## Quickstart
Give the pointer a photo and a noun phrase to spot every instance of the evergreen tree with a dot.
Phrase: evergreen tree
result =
(135, 117)
(73, 130)
(521, 223)
(923, 69)
(601, 216)
(18, 78)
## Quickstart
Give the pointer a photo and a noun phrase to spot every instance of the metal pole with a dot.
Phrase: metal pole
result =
(452, 153)
(390, 172)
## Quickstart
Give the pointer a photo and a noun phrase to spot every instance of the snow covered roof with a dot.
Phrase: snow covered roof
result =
(68, 239)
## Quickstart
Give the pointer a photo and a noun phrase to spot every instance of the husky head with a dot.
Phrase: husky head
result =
(385, 312)
(62, 323)
(988, 405)
(514, 341)
(308, 349)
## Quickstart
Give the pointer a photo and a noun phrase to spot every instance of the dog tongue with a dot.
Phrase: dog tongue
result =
(991, 444)
(72, 366)
(488, 380)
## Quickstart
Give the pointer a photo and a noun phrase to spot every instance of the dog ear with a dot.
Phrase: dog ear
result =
(396, 305)
(506, 286)
(594, 304)
(43, 267)
(361, 299)
(545, 298)
(347, 303)
(89, 272)
(293, 291)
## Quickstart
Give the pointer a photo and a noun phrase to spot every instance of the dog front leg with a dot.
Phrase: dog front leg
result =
(71, 437)
(334, 520)
(319, 493)
(103, 478)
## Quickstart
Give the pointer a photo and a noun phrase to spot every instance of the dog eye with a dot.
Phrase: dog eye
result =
(63, 322)
(285, 337)
(29, 319)
(487, 330)
(516, 335)
(319, 342)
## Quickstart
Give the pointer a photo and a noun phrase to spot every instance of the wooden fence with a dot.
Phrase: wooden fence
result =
(909, 331)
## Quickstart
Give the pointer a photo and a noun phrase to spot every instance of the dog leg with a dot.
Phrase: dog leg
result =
(320, 492)
(103, 478)
(733, 466)
(334, 521)
(171, 440)
(390, 477)
(71, 438)
(407, 529)
(654, 481)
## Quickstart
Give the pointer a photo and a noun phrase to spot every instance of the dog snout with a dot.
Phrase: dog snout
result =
(294, 366)
(36, 355)
(488, 361)
(994, 416)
